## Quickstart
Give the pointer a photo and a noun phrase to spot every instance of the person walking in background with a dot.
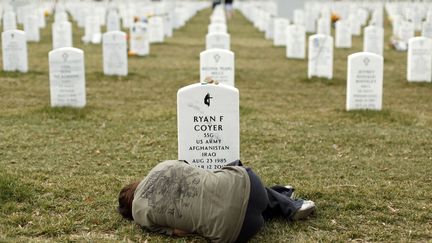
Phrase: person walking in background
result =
(229, 8)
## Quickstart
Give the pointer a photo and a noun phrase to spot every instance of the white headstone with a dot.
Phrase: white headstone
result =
(9, 21)
(14, 50)
(279, 31)
(427, 29)
(115, 53)
(296, 42)
(31, 28)
(217, 28)
(60, 16)
(62, 34)
(343, 34)
(92, 30)
(217, 64)
(299, 17)
(139, 39)
(156, 30)
(218, 40)
(406, 31)
(419, 60)
(67, 77)
(374, 40)
(355, 25)
(324, 26)
(320, 63)
(365, 81)
(208, 125)
(113, 21)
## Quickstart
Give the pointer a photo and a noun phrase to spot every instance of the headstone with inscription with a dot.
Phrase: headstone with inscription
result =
(355, 25)
(60, 16)
(419, 60)
(208, 121)
(9, 21)
(217, 64)
(62, 34)
(280, 26)
(67, 77)
(218, 40)
(115, 60)
(14, 51)
(374, 40)
(406, 31)
(31, 28)
(296, 42)
(92, 30)
(139, 39)
(343, 34)
(320, 58)
(364, 81)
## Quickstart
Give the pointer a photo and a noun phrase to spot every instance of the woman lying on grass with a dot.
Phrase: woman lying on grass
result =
(228, 205)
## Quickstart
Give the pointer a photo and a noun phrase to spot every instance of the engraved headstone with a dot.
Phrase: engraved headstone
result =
(217, 64)
(139, 39)
(419, 60)
(374, 40)
(208, 125)
(115, 60)
(406, 31)
(364, 81)
(343, 34)
(92, 30)
(9, 21)
(113, 21)
(279, 31)
(60, 16)
(296, 42)
(218, 40)
(67, 77)
(320, 58)
(355, 25)
(14, 50)
(156, 30)
(62, 34)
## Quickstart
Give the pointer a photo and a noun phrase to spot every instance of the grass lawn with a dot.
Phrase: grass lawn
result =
(369, 173)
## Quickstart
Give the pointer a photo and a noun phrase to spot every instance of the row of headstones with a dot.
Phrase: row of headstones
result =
(217, 61)
(406, 19)
(66, 65)
(14, 45)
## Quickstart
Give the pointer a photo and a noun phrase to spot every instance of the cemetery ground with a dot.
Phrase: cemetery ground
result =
(369, 173)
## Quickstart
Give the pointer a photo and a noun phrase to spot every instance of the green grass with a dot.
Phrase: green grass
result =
(369, 173)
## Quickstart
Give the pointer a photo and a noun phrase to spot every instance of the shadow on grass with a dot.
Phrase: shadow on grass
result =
(384, 116)
(65, 113)
(19, 74)
(325, 81)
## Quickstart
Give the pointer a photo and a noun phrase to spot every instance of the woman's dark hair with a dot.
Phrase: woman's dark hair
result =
(125, 199)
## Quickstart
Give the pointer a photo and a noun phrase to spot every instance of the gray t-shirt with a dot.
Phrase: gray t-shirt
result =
(175, 195)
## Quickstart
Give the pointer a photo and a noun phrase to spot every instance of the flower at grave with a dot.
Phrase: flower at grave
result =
(131, 53)
(46, 13)
(335, 17)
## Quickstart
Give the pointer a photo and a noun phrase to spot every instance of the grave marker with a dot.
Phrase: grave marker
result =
(419, 60)
(156, 30)
(31, 28)
(113, 21)
(218, 40)
(320, 63)
(208, 125)
(279, 31)
(62, 34)
(365, 81)
(374, 40)
(14, 50)
(296, 42)
(217, 64)
(9, 21)
(115, 53)
(139, 39)
(67, 77)
(343, 34)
